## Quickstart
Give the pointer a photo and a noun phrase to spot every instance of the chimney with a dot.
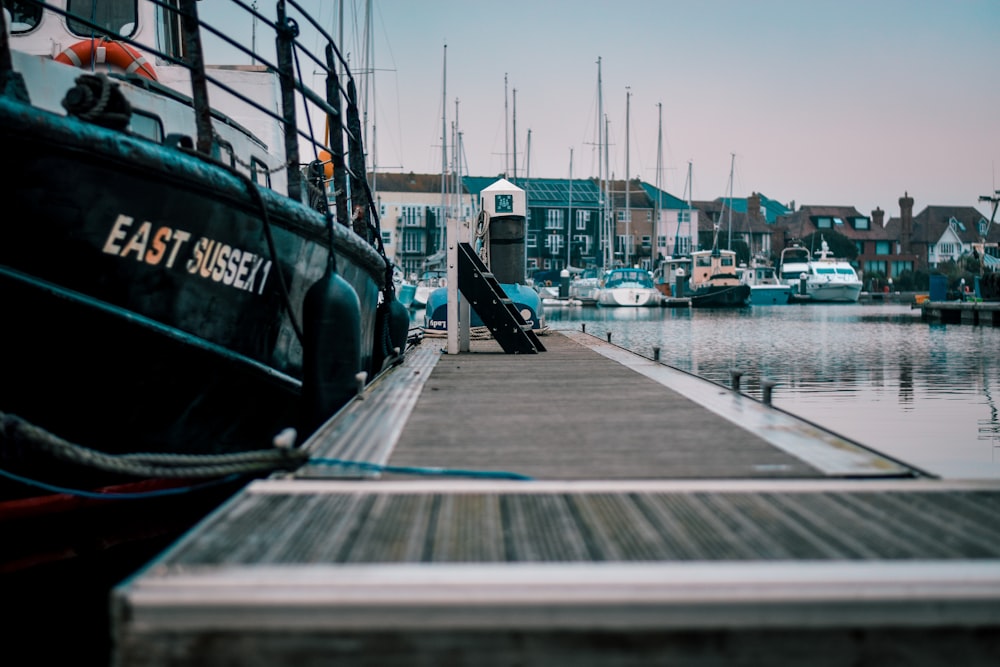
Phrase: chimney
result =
(905, 223)
(878, 218)
(753, 206)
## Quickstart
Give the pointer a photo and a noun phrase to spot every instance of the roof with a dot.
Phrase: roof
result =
(667, 200)
(410, 182)
(545, 191)
(802, 223)
(930, 224)
(638, 197)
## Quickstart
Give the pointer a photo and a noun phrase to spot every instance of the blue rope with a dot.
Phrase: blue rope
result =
(413, 470)
(117, 496)
(364, 465)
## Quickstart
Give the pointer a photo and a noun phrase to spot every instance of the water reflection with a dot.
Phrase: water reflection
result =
(918, 391)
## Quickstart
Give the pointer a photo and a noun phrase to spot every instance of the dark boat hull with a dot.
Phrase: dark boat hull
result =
(720, 296)
(152, 298)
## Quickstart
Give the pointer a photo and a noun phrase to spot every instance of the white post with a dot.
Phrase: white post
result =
(453, 292)
(464, 309)
(458, 308)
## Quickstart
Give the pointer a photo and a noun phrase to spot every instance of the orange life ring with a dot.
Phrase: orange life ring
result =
(104, 50)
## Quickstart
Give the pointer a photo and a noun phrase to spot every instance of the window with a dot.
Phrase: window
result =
(622, 217)
(647, 240)
(684, 216)
(114, 18)
(23, 15)
(146, 125)
(946, 248)
(412, 216)
(883, 248)
(862, 223)
(582, 218)
(554, 218)
(259, 172)
(531, 241)
(582, 243)
(386, 238)
(227, 154)
(625, 243)
(981, 226)
(899, 268)
(875, 267)
(554, 243)
(413, 241)
(683, 246)
(824, 223)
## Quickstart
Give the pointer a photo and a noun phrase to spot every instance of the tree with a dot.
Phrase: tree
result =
(840, 245)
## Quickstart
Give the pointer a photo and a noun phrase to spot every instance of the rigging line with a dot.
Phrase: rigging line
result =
(286, 299)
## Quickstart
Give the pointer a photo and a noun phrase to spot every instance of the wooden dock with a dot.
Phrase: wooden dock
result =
(582, 506)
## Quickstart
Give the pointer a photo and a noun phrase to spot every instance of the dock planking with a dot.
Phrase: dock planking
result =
(666, 518)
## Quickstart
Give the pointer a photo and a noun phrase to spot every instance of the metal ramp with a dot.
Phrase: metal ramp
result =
(494, 308)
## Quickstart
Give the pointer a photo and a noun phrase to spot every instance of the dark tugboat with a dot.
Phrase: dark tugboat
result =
(179, 288)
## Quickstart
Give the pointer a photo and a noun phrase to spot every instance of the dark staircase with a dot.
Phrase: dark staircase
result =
(494, 308)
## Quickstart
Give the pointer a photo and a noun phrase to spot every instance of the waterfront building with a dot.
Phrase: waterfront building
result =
(570, 220)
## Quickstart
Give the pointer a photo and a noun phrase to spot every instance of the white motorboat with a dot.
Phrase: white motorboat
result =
(628, 287)
(821, 279)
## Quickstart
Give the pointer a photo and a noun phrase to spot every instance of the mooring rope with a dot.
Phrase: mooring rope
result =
(190, 466)
(151, 464)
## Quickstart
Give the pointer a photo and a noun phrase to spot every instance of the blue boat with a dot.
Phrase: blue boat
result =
(527, 300)
(765, 287)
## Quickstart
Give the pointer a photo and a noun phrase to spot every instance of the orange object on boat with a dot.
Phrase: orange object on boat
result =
(102, 50)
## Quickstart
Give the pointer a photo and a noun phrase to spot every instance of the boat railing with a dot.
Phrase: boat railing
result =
(326, 120)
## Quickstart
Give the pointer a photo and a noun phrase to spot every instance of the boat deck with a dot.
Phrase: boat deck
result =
(584, 505)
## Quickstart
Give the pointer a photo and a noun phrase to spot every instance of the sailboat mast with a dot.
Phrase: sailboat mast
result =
(506, 131)
(513, 121)
(569, 216)
(602, 222)
(527, 156)
(444, 151)
(370, 92)
(456, 167)
(732, 165)
(659, 187)
(627, 250)
(677, 236)
(608, 221)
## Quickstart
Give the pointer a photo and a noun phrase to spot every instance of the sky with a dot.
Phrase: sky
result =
(818, 102)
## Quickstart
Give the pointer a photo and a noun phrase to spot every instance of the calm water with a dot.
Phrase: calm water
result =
(924, 393)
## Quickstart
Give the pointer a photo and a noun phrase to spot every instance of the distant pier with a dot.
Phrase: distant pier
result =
(980, 313)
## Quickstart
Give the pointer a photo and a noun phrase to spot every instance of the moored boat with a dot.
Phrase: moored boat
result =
(628, 287)
(823, 279)
(181, 285)
(765, 287)
(526, 299)
(713, 282)
(585, 288)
